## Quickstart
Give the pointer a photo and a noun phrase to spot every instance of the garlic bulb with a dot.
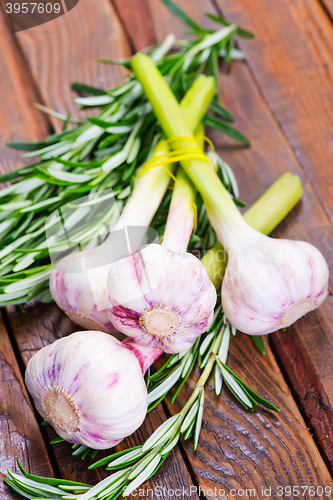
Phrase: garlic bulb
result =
(83, 295)
(271, 283)
(268, 283)
(89, 387)
(163, 299)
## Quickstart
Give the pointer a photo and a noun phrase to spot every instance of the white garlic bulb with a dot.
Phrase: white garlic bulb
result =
(271, 283)
(163, 299)
(89, 387)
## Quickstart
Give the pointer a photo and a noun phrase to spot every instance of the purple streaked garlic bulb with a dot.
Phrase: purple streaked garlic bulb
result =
(89, 386)
(82, 300)
(162, 299)
(271, 283)
(160, 295)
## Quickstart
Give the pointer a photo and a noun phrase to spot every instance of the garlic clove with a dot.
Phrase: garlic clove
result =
(270, 283)
(78, 282)
(163, 299)
(90, 388)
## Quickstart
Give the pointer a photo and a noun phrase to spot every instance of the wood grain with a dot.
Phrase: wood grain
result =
(292, 75)
(256, 168)
(241, 450)
(20, 436)
(66, 49)
(19, 119)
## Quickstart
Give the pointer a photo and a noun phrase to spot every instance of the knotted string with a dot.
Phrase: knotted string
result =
(183, 148)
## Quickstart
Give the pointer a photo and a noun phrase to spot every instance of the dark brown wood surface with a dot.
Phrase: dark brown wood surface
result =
(295, 71)
(66, 50)
(241, 450)
(20, 437)
(238, 449)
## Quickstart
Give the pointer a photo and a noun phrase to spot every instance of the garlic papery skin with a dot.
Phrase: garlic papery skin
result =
(294, 286)
(161, 295)
(82, 295)
(89, 387)
(163, 299)
(269, 283)
(144, 355)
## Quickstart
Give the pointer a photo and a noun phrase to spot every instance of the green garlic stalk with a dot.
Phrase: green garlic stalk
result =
(133, 466)
(268, 283)
(78, 282)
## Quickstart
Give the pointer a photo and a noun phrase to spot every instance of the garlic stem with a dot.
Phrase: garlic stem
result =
(152, 185)
(180, 221)
(84, 299)
(223, 213)
(264, 215)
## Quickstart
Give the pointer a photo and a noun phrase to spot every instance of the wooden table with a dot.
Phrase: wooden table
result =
(282, 98)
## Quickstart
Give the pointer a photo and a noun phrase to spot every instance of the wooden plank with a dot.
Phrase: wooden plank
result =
(256, 168)
(20, 436)
(19, 119)
(292, 75)
(255, 451)
(74, 36)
